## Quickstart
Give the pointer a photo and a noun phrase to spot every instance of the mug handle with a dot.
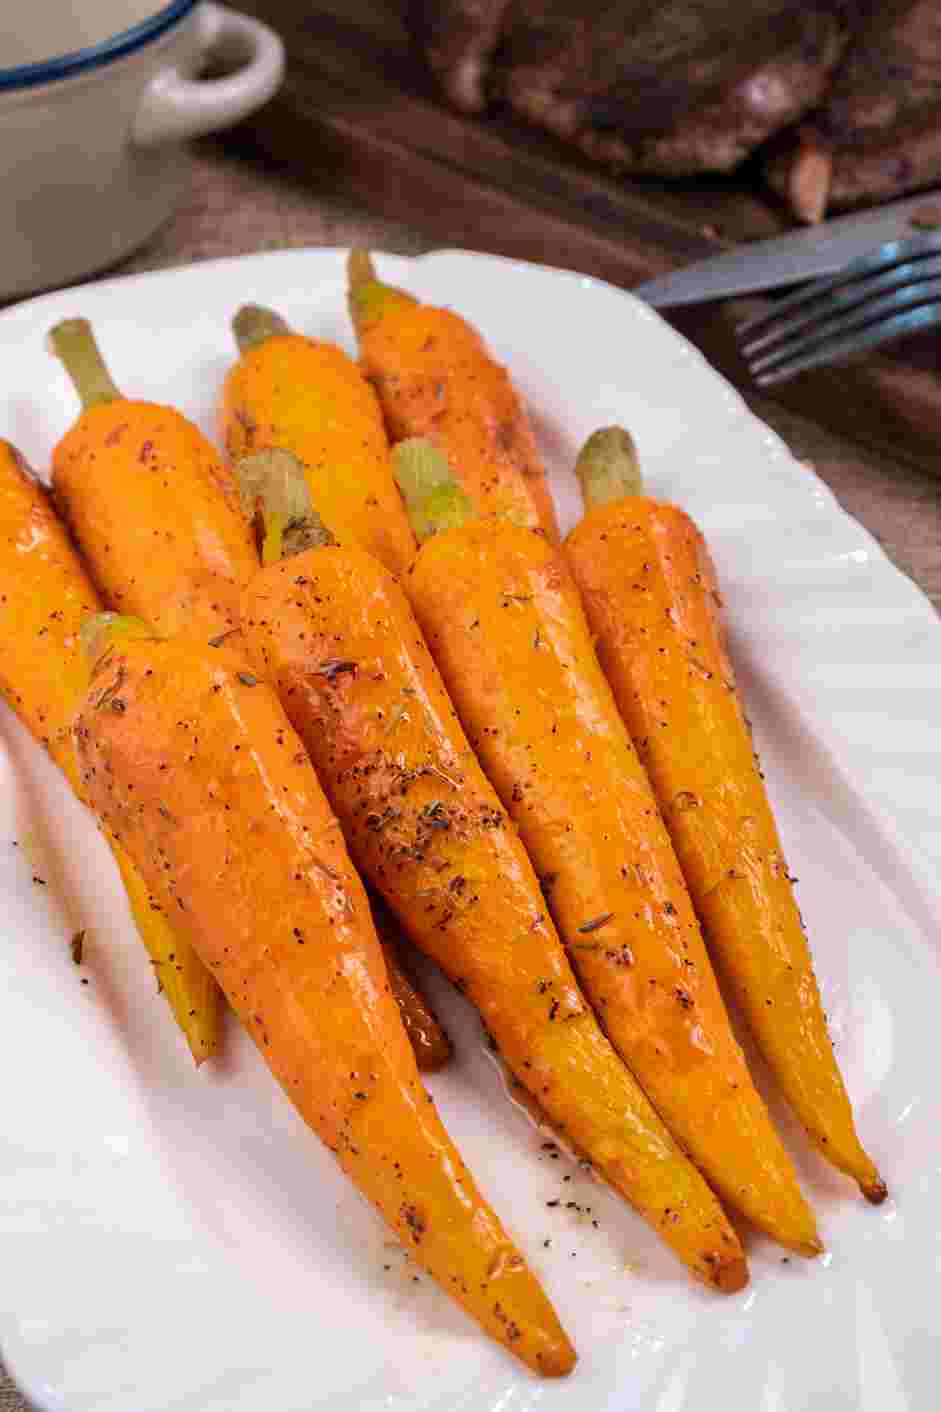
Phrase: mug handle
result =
(174, 107)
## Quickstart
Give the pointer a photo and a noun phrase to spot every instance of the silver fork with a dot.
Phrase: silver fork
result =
(881, 297)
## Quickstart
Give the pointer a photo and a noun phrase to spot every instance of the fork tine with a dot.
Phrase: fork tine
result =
(884, 257)
(842, 322)
(874, 335)
(847, 296)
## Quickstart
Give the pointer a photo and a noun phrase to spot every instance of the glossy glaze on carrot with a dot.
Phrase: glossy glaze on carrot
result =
(151, 503)
(201, 777)
(45, 596)
(436, 379)
(308, 397)
(506, 628)
(333, 629)
(139, 485)
(652, 601)
(160, 523)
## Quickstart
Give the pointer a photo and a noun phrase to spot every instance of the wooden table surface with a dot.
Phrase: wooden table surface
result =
(240, 205)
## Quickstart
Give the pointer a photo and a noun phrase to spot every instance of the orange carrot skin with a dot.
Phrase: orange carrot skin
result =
(156, 513)
(435, 379)
(308, 397)
(334, 631)
(163, 532)
(45, 595)
(652, 601)
(202, 778)
(506, 628)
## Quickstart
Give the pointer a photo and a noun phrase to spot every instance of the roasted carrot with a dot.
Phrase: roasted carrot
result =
(150, 502)
(302, 395)
(45, 594)
(426, 1035)
(436, 379)
(208, 787)
(506, 628)
(160, 525)
(332, 629)
(652, 601)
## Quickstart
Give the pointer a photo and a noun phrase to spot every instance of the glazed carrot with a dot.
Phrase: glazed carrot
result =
(333, 630)
(308, 397)
(426, 1036)
(651, 598)
(436, 379)
(45, 595)
(201, 776)
(159, 522)
(506, 628)
(155, 511)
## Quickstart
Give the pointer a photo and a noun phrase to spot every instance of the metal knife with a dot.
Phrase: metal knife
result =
(787, 259)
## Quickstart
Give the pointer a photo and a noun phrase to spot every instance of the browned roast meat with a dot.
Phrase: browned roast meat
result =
(673, 88)
(458, 38)
(712, 131)
(843, 97)
(687, 86)
(880, 123)
(890, 77)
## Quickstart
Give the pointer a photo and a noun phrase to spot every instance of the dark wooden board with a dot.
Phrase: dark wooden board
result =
(359, 113)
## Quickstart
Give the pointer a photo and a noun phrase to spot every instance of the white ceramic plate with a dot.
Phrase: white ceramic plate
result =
(175, 1241)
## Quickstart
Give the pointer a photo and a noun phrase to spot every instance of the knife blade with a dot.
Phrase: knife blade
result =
(785, 259)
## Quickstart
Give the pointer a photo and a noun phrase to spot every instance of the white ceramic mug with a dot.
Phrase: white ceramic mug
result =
(91, 161)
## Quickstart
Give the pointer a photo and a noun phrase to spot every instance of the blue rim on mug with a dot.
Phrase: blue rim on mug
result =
(65, 65)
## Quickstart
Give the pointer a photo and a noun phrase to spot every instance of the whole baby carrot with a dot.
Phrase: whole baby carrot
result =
(506, 628)
(151, 504)
(652, 602)
(159, 521)
(305, 396)
(436, 379)
(332, 629)
(202, 778)
(45, 596)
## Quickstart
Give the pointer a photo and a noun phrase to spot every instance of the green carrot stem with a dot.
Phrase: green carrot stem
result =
(272, 544)
(273, 484)
(254, 324)
(434, 500)
(608, 467)
(360, 269)
(100, 630)
(367, 296)
(73, 342)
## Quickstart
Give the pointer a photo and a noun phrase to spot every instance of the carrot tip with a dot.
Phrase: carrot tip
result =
(874, 1191)
(559, 1363)
(433, 1060)
(732, 1276)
